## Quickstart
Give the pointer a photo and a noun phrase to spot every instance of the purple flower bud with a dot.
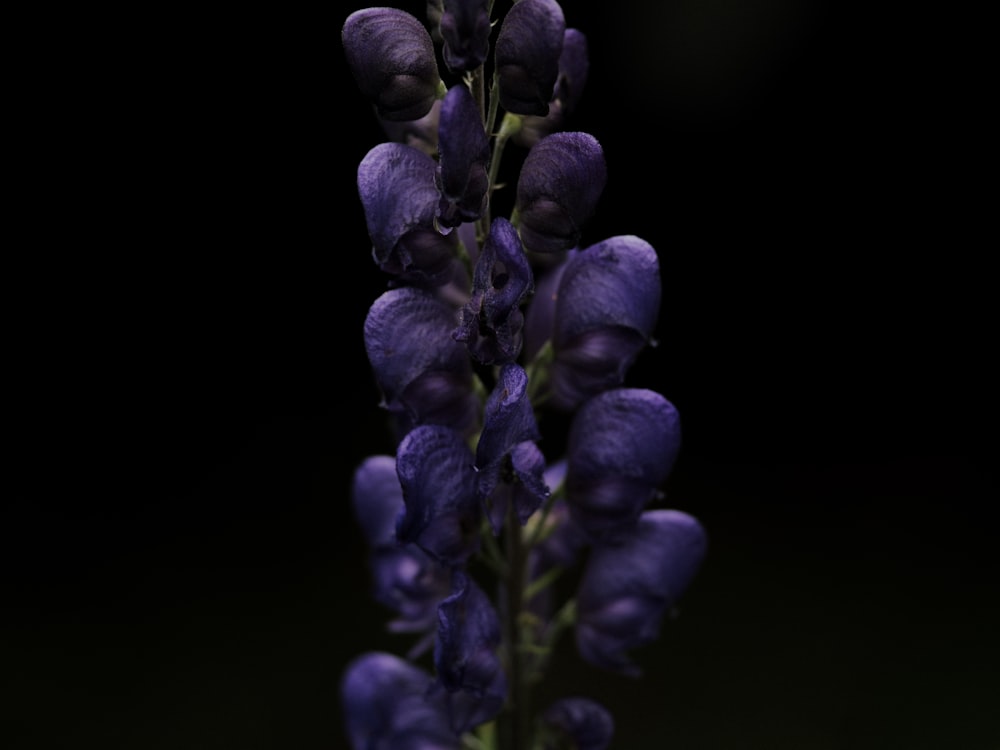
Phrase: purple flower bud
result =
(626, 590)
(462, 173)
(465, 655)
(574, 66)
(621, 446)
(386, 706)
(399, 194)
(608, 304)
(391, 55)
(527, 55)
(435, 467)
(492, 319)
(561, 180)
(425, 376)
(584, 722)
(404, 578)
(465, 30)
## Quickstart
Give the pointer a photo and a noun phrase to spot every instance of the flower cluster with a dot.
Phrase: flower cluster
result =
(488, 325)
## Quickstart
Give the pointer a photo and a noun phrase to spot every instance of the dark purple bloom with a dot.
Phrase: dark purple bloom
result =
(391, 55)
(398, 189)
(387, 706)
(465, 31)
(561, 180)
(405, 579)
(584, 722)
(424, 375)
(626, 590)
(435, 468)
(527, 55)
(510, 465)
(602, 316)
(465, 655)
(462, 174)
(621, 447)
(492, 319)
(574, 65)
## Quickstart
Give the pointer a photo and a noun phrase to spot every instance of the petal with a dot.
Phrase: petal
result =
(377, 498)
(574, 66)
(435, 467)
(392, 57)
(464, 159)
(587, 723)
(626, 589)
(560, 182)
(527, 54)
(386, 706)
(465, 30)
(621, 446)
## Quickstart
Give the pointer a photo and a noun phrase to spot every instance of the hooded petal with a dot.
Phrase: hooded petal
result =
(462, 174)
(560, 182)
(399, 194)
(391, 55)
(492, 320)
(435, 467)
(621, 447)
(527, 55)
(608, 305)
(584, 722)
(425, 375)
(386, 706)
(465, 655)
(465, 30)
(626, 590)
(377, 499)
(574, 66)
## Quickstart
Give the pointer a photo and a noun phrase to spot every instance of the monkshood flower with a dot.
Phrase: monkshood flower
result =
(399, 193)
(464, 159)
(627, 589)
(560, 183)
(464, 27)
(574, 65)
(527, 54)
(425, 376)
(492, 319)
(466, 656)
(584, 723)
(507, 458)
(621, 447)
(599, 309)
(387, 706)
(435, 468)
(391, 55)
(405, 579)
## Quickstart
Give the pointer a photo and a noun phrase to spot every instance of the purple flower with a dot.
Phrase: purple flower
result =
(626, 590)
(585, 723)
(421, 134)
(435, 468)
(425, 376)
(601, 315)
(621, 446)
(386, 706)
(398, 189)
(405, 579)
(492, 319)
(392, 57)
(527, 55)
(574, 65)
(462, 173)
(465, 655)
(465, 31)
(561, 180)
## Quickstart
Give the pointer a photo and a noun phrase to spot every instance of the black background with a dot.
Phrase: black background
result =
(190, 393)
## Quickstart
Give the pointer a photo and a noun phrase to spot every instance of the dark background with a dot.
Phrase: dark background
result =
(190, 395)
